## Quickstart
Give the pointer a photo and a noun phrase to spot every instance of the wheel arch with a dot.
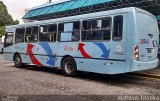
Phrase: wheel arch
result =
(15, 55)
(66, 57)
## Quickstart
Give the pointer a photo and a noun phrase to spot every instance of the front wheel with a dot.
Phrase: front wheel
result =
(18, 61)
(1, 51)
(69, 67)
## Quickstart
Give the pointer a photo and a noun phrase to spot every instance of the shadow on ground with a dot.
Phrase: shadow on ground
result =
(126, 80)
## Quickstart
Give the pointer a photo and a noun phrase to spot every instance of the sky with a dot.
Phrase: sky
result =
(17, 7)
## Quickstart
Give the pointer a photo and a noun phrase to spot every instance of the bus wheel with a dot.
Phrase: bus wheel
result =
(1, 51)
(18, 61)
(69, 67)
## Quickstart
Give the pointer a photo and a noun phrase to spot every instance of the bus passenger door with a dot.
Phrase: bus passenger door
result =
(118, 43)
(8, 46)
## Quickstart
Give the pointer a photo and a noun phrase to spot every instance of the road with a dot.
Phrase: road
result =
(46, 81)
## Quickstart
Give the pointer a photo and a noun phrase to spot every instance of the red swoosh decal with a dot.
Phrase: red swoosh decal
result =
(83, 52)
(32, 57)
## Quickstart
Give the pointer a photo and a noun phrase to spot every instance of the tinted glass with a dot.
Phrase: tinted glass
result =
(20, 35)
(100, 29)
(118, 28)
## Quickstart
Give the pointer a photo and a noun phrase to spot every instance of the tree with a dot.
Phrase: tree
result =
(5, 18)
(2, 30)
(15, 22)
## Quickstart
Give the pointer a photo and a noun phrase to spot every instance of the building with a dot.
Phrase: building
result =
(75, 7)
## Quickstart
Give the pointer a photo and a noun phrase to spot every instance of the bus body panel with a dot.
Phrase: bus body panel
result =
(42, 54)
(101, 66)
(146, 37)
(139, 66)
(8, 56)
(101, 56)
(98, 50)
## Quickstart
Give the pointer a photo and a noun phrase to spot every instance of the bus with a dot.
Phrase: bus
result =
(108, 42)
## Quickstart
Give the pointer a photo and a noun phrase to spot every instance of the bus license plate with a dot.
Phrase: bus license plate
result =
(149, 50)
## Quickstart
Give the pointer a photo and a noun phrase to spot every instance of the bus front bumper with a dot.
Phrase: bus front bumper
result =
(138, 65)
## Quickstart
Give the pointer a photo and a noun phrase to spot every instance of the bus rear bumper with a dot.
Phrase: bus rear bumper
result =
(138, 65)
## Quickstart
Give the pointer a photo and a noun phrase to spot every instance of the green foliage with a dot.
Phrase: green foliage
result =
(5, 18)
(2, 28)
(15, 22)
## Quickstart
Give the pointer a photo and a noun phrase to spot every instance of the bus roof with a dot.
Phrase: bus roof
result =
(83, 16)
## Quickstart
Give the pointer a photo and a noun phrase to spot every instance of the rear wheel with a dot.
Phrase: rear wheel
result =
(69, 67)
(18, 61)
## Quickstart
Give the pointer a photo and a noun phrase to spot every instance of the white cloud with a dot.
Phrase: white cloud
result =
(16, 7)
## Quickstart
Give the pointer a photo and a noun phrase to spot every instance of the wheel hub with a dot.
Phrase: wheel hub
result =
(17, 61)
(68, 66)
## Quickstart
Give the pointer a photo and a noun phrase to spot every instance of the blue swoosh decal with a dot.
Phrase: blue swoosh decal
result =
(104, 50)
(48, 50)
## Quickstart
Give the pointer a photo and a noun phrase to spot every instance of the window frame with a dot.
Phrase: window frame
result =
(48, 25)
(6, 36)
(23, 35)
(39, 26)
(114, 28)
(55, 31)
(31, 33)
(58, 32)
(102, 29)
(26, 34)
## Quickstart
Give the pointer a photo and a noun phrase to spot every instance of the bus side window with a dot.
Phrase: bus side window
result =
(43, 35)
(118, 28)
(60, 30)
(106, 29)
(8, 41)
(28, 33)
(20, 35)
(52, 32)
(31, 34)
(96, 29)
(69, 32)
(76, 31)
(34, 34)
(86, 29)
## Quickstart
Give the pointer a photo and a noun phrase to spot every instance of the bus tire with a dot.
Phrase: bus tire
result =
(1, 51)
(18, 61)
(69, 67)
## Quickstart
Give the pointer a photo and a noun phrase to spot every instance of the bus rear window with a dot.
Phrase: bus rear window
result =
(118, 28)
